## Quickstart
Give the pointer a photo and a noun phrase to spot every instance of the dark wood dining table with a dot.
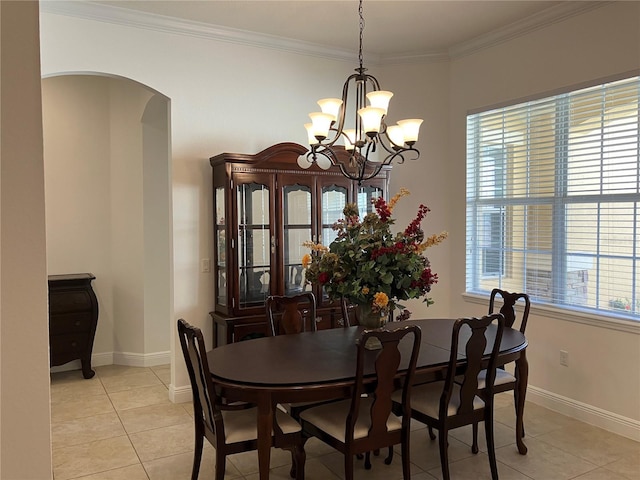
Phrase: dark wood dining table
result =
(315, 366)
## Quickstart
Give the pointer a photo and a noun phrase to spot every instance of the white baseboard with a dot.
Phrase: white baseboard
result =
(627, 427)
(180, 394)
(119, 358)
(141, 359)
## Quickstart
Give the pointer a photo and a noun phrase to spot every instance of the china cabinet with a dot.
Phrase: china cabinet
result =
(264, 207)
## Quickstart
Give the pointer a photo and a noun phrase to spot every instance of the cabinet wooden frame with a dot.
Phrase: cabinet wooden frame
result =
(73, 318)
(274, 170)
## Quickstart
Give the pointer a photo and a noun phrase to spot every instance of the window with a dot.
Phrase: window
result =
(553, 199)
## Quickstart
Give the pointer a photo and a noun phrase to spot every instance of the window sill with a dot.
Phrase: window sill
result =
(609, 321)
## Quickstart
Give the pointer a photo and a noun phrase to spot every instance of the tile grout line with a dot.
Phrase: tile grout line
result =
(117, 412)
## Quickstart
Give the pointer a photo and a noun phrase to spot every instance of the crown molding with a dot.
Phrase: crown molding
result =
(161, 23)
(149, 21)
(549, 16)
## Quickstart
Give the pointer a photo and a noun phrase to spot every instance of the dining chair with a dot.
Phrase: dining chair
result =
(504, 380)
(349, 319)
(230, 428)
(445, 405)
(291, 313)
(365, 423)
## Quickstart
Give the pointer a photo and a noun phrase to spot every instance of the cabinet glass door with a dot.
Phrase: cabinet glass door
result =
(296, 217)
(334, 199)
(220, 248)
(254, 244)
(365, 195)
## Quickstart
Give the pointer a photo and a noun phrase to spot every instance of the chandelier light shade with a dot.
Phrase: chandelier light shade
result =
(362, 132)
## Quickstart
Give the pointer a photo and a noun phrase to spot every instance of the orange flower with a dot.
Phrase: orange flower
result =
(380, 300)
(315, 247)
(306, 260)
(431, 241)
(396, 197)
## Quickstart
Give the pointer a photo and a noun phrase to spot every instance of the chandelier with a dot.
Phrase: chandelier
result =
(369, 144)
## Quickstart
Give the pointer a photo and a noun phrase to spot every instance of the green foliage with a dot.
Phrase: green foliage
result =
(367, 260)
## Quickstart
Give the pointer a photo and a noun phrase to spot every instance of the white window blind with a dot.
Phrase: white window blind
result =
(553, 199)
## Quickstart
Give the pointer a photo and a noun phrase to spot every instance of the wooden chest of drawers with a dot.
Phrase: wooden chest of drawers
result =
(73, 317)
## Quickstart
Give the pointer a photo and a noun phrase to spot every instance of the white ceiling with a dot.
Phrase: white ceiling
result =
(392, 27)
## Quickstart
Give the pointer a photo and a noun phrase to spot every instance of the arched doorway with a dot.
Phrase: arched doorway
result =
(108, 207)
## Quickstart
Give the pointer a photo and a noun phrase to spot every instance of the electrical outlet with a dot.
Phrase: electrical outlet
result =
(205, 265)
(564, 358)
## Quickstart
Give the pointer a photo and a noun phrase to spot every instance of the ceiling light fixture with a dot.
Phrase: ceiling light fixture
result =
(368, 129)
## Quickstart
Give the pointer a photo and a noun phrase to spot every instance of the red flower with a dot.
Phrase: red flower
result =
(382, 208)
(323, 277)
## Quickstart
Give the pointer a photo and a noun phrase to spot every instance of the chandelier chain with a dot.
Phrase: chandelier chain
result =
(361, 33)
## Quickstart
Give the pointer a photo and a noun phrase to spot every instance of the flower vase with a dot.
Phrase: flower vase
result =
(371, 319)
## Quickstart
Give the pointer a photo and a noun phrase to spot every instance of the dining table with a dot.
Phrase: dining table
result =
(321, 365)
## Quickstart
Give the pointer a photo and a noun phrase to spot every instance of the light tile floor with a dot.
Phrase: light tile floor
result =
(120, 425)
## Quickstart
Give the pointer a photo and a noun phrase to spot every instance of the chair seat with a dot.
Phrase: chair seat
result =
(502, 378)
(332, 418)
(241, 425)
(289, 407)
(426, 399)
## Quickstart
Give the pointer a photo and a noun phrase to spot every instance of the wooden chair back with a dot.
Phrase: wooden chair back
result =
(205, 401)
(209, 419)
(291, 314)
(386, 365)
(477, 340)
(508, 307)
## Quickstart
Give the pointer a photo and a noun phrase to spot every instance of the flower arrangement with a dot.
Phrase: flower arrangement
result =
(371, 266)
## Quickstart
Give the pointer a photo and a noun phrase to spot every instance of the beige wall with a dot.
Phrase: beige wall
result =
(597, 44)
(422, 91)
(77, 186)
(25, 438)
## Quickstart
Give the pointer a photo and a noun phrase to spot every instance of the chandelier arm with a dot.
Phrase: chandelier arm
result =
(349, 175)
(373, 173)
(373, 80)
(400, 156)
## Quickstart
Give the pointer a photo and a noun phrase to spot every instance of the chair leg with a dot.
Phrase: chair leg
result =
(348, 466)
(389, 458)
(367, 461)
(298, 459)
(488, 427)
(444, 455)
(474, 445)
(516, 399)
(221, 464)
(197, 455)
(432, 435)
(406, 461)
